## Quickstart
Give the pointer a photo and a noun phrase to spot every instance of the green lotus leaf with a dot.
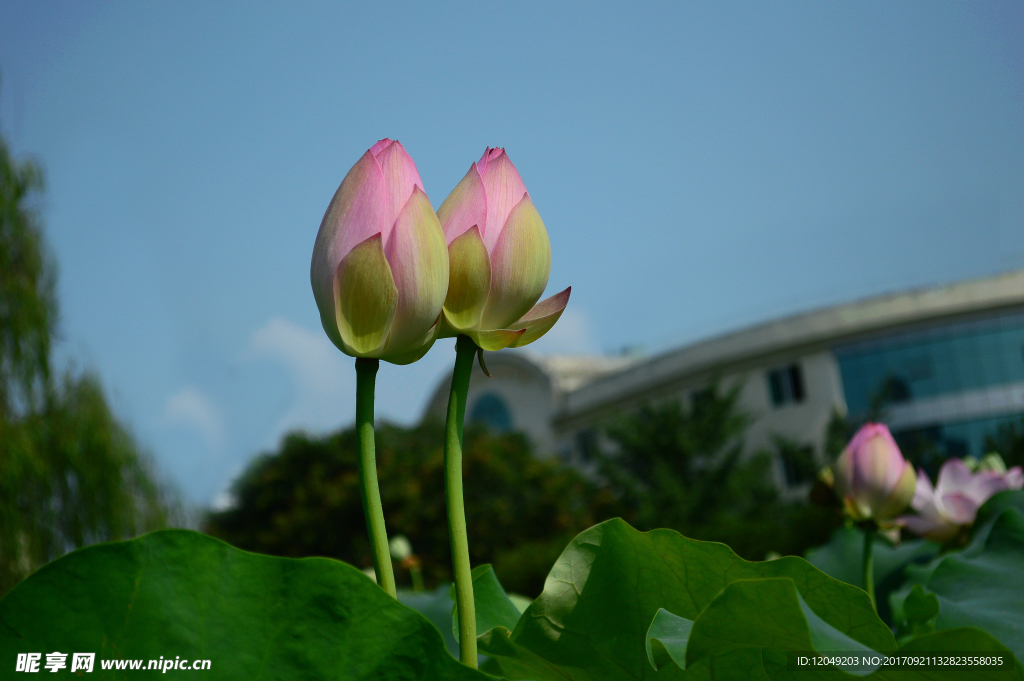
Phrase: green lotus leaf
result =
(601, 597)
(181, 593)
(494, 608)
(981, 585)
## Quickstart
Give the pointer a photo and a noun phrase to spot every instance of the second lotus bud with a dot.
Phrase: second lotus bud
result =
(872, 479)
(500, 259)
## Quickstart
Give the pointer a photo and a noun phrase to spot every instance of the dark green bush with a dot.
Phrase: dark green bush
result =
(520, 511)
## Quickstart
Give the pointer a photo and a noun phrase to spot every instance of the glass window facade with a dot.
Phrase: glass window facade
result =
(929, 446)
(940, 361)
(490, 410)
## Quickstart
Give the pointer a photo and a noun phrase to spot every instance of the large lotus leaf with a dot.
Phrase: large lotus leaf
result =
(749, 629)
(989, 513)
(920, 608)
(764, 613)
(986, 518)
(974, 641)
(981, 585)
(181, 593)
(747, 615)
(667, 638)
(494, 608)
(842, 558)
(599, 600)
(982, 588)
(436, 606)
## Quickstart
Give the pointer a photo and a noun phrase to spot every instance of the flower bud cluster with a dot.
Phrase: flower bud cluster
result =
(390, 275)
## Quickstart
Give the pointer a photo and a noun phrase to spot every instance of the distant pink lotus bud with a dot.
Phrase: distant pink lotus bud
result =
(954, 501)
(872, 478)
(500, 259)
(380, 266)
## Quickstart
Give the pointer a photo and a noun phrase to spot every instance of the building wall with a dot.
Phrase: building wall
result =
(956, 351)
(520, 384)
(803, 421)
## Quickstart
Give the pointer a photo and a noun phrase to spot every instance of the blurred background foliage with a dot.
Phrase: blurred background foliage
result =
(682, 468)
(1008, 441)
(70, 474)
(675, 467)
(303, 500)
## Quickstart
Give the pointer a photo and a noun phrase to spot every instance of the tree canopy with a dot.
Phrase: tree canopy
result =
(70, 473)
(303, 500)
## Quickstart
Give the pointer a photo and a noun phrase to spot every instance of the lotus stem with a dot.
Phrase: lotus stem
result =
(869, 572)
(465, 349)
(416, 574)
(366, 377)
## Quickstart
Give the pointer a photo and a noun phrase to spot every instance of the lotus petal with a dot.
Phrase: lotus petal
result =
(539, 320)
(504, 188)
(932, 527)
(419, 264)
(958, 508)
(446, 329)
(954, 477)
(924, 493)
(520, 266)
(900, 497)
(400, 178)
(380, 146)
(497, 339)
(985, 485)
(365, 297)
(415, 350)
(354, 214)
(1015, 478)
(469, 282)
(465, 207)
(489, 154)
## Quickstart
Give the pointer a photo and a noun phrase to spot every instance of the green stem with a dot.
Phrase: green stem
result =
(366, 376)
(465, 348)
(417, 578)
(869, 572)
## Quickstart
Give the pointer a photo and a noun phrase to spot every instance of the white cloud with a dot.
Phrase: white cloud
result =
(571, 335)
(324, 378)
(192, 408)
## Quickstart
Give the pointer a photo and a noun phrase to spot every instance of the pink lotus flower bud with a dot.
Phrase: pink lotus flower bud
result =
(380, 266)
(872, 478)
(500, 259)
(954, 501)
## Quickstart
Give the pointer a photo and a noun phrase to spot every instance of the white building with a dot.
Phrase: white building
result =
(950, 357)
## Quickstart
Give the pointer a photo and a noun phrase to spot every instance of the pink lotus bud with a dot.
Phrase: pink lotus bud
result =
(500, 259)
(380, 266)
(872, 478)
(954, 501)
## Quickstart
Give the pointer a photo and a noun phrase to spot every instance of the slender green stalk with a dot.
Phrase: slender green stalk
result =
(869, 571)
(465, 348)
(366, 376)
(417, 578)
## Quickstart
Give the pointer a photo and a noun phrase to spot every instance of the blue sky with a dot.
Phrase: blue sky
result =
(699, 166)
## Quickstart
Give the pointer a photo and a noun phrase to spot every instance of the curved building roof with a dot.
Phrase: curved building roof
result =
(802, 333)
